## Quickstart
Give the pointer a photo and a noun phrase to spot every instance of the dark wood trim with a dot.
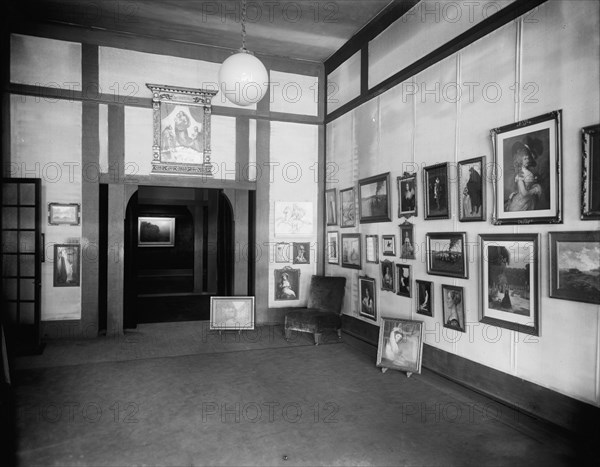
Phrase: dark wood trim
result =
(251, 286)
(102, 257)
(321, 185)
(116, 141)
(182, 181)
(366, 332)
(262, 222)
(364, 70)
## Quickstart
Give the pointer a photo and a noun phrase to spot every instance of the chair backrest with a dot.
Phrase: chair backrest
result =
(327, 293)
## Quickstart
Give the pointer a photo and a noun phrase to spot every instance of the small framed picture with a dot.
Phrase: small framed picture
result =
(510, 292)
(351, 252)
(67, 259)
(282, 252)
(424, 297)
(400, 345)
(447, 254)
(231, 313)
(527, 182)
(371, 249)
(331, 206)
(404, 273)
(287, 284)
(348, 207)
(388, 280)
(293, 218)
(64, 214)
(453, 307)
(156, 231)
(590, 178)
(389, 245)
(333, 241)
(366, 296)
(374, 199)
(407, 195)
(407, 243)
(435, 187)
(301, 253)
(575, 266)
(471, 189)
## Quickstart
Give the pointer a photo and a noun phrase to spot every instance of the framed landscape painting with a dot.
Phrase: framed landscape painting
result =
(510, 291)
(400, 345)
(447, 254)
(64, 213)
(374, 199)
(575, 266)
(156, 231)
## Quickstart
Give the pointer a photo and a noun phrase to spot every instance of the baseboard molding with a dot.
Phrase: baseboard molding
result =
(521, 395)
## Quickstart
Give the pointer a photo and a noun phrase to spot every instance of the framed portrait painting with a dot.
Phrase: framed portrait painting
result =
(453, 307)
(424, 297)
(301, 252)
(404, 274)
(510, 293)
(407, 241)
(64, 213)
(374, 199)
(389, 245)
(407, 195)
(471, 189)
(388, 280)
(333, 242)
(371, 249)
(575, 266)
(348, 207)
(331, 206)
(590, 177)
(287, 284)
(435, 187)
(447, 254)
(367, 299)
(351, 251)
(400, 345)
(156, 231)
(67, 260)
(527, 180)
(231, 313)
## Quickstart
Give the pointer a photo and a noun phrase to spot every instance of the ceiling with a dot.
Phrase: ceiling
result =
(299, 29)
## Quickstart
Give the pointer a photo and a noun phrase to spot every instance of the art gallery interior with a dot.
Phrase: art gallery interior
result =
(384, 152)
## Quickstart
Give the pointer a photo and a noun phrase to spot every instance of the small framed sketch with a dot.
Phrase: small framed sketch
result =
(67, 259)
(407, 195)
(374, 199)
(527, 183)
(231, 313)
(447, 254)
(64, 214)
(575, 266)
(293, 218)
(590, 177)
(156, 231)
(471, 189)
(389, 245)
(510, 295)
(348, 207)
(333, 242)
(371, 249)
(400, 345)
(435, 187)
(453, 307)
(388, 280)
(404, 273)
(331, 206)
(351, 252)
(366, 294)
(407, 243)
(424, 297)
(301, 252)
(287, 284)
(282, 252)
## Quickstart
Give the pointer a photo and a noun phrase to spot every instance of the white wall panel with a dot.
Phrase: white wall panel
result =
(294, 93)
(343, 83)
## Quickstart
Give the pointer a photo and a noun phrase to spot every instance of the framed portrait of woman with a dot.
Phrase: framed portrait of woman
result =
(367, 305)
(388, 280)
(424, 297)
(287, 284)
(403, 271)
(67, 265)
(407, 195)
(453, 307)
(527, 183)
(400, 345)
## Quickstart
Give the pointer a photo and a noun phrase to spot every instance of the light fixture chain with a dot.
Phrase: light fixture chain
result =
(244, 24)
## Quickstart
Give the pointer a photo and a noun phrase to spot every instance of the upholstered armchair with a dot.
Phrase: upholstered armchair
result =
(323, 310)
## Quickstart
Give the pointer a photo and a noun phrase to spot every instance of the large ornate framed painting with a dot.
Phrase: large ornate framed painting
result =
(181, 143)
(527, 166)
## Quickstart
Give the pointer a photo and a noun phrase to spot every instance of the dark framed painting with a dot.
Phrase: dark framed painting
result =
(453, 307)
(471, 189)
(424, 297)
(67, 265)
(374, 199)
(435, 187)
(527, 183)
(287, 284)
(590, 177)
(575, 266)
(407, 195)
(400, 345)
(389, 245)
(348, 207)
(331, 206)
(388, 279)
(231, 313)
(510, 292)
(351, 251)
(371, 249)
(404, 274)
(156, 231)
(333, 247)
(447, 254)
(367, 305)
(282, 252)
(301, 252)
(64, 213)
(407, 240)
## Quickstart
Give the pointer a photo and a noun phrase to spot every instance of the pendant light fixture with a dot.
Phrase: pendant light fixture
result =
(243, 78)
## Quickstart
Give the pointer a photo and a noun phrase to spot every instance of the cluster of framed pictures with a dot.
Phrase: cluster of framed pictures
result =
(67, 256)
(295, 252)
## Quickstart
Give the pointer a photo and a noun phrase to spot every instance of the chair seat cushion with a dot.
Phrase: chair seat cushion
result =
(311, 320)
